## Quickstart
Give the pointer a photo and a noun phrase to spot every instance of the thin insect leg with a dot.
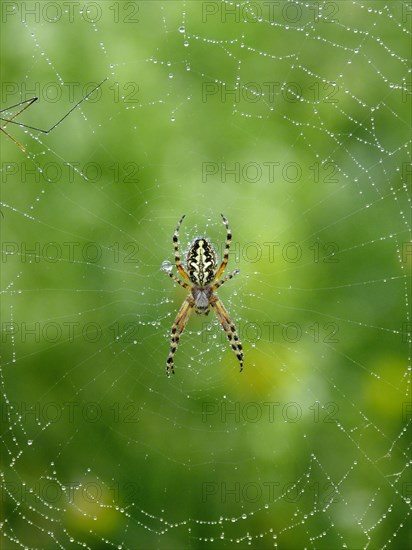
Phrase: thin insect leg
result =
(178, 281)
(177, 329)
(227, 247)
(178, 263)
(12, 138)
(28, 101)
(227, 278)
(229, 328)
(59, 121)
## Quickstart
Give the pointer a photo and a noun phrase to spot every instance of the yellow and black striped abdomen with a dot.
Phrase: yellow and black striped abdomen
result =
(201, 262)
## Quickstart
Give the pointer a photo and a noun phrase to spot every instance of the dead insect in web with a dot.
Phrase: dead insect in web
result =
(25, 105)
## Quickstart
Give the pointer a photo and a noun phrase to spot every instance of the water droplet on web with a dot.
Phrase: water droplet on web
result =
(167, 266)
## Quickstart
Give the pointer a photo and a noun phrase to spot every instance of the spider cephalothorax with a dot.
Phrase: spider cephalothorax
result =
(202, 273)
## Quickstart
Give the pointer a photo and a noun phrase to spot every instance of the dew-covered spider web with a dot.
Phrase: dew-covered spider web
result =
(293, 119)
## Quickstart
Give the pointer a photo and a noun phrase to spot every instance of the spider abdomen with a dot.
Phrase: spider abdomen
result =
(201, 262)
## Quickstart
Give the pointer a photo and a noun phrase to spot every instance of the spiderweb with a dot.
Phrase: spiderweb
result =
(291, 118)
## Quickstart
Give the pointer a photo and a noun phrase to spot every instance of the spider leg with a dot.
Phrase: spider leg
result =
(28, 103)
(178, 281)
(58, 122)
(227, 247)
(12, 138)
(227, 278)
(178, 263)
(177, 329)
(228, 327)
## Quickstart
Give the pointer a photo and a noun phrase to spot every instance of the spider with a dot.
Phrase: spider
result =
(202, 275)
(26, 104)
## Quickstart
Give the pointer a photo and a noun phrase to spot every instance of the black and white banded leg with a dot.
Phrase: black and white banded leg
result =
(229, 328)
(177, 329)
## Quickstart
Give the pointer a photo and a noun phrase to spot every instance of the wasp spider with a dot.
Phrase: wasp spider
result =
(202, 275)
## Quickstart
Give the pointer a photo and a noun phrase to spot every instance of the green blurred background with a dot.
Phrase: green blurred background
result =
(308, 446)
